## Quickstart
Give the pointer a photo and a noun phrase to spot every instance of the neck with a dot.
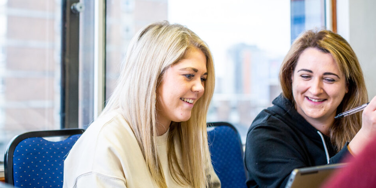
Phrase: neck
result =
(323, 128)
(322, 125)
(162, 127)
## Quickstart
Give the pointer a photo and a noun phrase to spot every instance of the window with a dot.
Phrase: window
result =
(30, 36)
(49, 64)
(123, 20)
(248, 40)
(306, 15)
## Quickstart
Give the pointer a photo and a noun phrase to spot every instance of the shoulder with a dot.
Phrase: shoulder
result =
(275, 130)
(104, 134)
(108, 131)
(110, 127)
(268, 121)
(107, 148)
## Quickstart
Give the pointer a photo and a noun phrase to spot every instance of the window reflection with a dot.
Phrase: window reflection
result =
(29, 67)
(305, 15)
(248, 39)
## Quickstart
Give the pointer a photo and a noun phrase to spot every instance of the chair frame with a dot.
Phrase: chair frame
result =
(8, 157)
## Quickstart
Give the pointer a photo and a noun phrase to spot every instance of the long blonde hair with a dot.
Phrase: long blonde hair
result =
(153, 50)
(344, 129)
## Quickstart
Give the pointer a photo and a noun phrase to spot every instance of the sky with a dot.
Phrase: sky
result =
(223, 23)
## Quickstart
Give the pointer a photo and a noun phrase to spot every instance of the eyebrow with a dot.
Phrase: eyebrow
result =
(325, 73)
(193, 69)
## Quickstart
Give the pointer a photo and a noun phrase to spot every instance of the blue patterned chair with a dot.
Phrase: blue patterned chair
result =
(32, 161)
(227, 154)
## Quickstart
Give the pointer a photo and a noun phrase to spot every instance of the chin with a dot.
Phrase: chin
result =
(314, 115)
(186, 119)
(183, 118)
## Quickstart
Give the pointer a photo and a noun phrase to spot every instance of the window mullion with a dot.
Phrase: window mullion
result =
(70, 66)
(100, 56)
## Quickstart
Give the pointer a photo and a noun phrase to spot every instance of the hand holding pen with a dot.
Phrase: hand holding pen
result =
(369, 117)
(351, 111)
(368, 130)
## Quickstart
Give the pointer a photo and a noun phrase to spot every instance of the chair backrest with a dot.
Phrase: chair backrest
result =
(32, 161)
(227, 154)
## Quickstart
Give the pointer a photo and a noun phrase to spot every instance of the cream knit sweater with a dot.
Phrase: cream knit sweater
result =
(108, 155)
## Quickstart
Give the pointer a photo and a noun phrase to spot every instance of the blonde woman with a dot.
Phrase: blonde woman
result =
(152, 132)
(320, 77)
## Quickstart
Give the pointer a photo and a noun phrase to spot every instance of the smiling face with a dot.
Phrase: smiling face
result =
(182, 85)
(318, 86)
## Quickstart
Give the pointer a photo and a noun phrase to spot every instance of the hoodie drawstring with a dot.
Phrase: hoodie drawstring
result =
(326, 149)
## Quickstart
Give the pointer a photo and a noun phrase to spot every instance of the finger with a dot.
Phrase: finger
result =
(371, 107)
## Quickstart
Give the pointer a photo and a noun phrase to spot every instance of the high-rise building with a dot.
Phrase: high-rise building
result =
(250, 81)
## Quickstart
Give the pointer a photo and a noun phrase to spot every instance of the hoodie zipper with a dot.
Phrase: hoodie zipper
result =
(325, 148)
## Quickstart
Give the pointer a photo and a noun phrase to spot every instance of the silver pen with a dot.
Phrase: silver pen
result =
(351, 111)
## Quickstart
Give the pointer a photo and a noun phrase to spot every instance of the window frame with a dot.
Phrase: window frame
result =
(70, 65)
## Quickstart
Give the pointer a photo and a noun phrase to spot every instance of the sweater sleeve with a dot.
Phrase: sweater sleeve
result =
(270, 156)
(97, 180)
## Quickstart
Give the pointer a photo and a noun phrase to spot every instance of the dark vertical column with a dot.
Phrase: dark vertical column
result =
(70, 65)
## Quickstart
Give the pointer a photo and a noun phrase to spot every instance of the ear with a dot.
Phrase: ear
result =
(292, 76)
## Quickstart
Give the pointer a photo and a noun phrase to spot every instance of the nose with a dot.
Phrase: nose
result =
(316, 87)
(198, 86)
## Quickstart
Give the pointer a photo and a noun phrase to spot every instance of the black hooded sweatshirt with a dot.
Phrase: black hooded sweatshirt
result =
(280, 140)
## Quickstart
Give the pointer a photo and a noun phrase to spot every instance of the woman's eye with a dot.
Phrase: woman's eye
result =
(189, 76)
(203, 79)
(305, 76)
(330, 80)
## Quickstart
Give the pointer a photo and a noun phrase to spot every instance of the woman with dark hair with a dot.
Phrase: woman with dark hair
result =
(320, 77)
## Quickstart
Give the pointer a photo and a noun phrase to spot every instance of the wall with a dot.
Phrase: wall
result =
(356, 20)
